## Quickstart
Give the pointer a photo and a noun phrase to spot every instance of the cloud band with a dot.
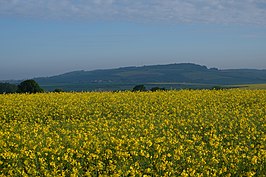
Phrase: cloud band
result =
(173, 11)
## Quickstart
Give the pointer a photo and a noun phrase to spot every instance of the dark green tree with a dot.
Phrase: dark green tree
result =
(29, 86)
(139, 88)
(58, 90)
(154, 89)
(8, 88)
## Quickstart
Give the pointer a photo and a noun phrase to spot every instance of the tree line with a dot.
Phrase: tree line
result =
(31, 86)
(142, 88)
(27, 86)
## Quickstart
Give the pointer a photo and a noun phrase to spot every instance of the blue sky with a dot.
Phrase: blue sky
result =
(50, 37)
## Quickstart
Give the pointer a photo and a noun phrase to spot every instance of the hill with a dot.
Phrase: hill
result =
(170, 75)
(176, 76)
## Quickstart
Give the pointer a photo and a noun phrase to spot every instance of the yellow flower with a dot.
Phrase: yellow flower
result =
(173, 133)
(254, 160)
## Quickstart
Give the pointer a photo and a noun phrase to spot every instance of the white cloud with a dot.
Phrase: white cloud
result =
(174, 11)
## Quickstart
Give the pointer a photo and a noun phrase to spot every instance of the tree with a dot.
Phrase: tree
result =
(58, 90)
(29, 86)
(140, 88)
(8, 88)
(154, 89)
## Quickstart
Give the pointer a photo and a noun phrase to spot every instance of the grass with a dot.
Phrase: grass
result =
(252, 86)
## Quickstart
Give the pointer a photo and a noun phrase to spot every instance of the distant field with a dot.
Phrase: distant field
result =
(252, 86)
(129, 86)
(124, 86)
(166, 133)
(200, 85)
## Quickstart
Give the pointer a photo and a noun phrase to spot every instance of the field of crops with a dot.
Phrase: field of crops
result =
(172, 133)
(252, 86)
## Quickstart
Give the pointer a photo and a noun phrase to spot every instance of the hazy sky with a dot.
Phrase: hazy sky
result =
(49, 37)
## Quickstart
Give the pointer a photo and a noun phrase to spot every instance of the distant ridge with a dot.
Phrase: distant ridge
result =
(182, 72)
(125, 77)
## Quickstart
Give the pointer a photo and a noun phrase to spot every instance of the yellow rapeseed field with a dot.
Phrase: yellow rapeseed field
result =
(172, 133)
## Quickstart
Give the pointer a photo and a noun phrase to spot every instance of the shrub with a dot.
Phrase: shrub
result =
(29, 86)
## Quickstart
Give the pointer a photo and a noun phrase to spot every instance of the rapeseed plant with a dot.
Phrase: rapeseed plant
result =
(173, 133)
